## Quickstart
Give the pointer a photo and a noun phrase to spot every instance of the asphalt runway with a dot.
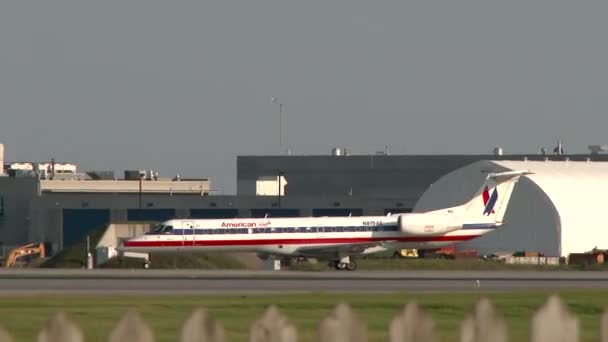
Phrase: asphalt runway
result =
(192, 282)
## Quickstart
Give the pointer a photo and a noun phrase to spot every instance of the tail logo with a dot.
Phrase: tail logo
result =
(489, 201)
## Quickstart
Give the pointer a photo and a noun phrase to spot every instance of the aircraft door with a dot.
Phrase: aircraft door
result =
(189, 235)
(320, 232)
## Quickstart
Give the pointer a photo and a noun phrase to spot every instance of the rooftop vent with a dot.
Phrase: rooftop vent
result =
(338, 151)
(596, 149)
(498, 151)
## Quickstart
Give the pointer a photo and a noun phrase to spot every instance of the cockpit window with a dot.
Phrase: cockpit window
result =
(162, 229)
(159, 228)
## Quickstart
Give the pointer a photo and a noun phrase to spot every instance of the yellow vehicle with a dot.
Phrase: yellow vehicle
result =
(407, 253)
(24, 251)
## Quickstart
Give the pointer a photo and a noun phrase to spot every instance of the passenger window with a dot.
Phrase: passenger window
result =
(268, 230)
(340, 229)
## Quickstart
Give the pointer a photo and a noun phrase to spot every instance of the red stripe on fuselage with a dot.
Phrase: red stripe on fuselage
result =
(202, 243)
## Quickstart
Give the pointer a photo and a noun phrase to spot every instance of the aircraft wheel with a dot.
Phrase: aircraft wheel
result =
(147, 265)
(341, 266)
(351, 266)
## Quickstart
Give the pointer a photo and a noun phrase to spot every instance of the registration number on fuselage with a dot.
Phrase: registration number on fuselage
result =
(372, 223)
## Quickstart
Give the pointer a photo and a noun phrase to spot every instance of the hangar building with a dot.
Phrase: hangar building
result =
(557, 210)
(57, 203)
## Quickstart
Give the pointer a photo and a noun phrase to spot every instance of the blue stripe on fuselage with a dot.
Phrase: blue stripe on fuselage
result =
(479, 226)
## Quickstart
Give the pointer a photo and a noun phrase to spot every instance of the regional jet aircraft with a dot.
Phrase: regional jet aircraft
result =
(337, 238)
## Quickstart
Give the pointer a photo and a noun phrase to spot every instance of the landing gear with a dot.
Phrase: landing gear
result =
(147, 264)
(351, 266)
(343, 264)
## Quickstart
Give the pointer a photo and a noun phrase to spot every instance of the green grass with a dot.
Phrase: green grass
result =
(74, 256)
(207, 261)
(24, 316)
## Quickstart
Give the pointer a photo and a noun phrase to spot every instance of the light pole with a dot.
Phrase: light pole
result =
(275, 100)
(280, 187)
(140, 190)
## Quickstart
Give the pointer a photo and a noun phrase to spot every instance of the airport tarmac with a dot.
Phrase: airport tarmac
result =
(189, 282)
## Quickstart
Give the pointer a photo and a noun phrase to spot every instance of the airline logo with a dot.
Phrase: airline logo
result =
(245, 224)
(238, 224)
(489, 201)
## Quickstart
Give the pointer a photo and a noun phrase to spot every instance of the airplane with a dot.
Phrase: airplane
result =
(337, 238)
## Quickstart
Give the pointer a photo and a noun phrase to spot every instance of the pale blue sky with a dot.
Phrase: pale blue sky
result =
(185, 86)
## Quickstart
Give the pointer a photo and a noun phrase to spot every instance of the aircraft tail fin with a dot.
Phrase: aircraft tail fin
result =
(489, 204)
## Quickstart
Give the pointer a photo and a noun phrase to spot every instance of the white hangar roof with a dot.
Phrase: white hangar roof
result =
(557, 210)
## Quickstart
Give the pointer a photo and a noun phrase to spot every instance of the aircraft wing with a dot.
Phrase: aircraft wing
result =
(344, 249)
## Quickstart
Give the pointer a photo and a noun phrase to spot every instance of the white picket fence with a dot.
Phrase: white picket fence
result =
(551, 323)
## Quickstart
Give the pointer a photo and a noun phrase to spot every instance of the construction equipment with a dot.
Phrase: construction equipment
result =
(24, 251)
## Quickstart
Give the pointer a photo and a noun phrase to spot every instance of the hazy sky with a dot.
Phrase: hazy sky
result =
(185, 86)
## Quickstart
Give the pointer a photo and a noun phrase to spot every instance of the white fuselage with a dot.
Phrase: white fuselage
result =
(309, 236)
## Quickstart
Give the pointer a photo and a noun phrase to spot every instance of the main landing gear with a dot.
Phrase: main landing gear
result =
(343, 264)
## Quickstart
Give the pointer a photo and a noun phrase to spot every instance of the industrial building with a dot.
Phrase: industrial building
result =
(39, 203)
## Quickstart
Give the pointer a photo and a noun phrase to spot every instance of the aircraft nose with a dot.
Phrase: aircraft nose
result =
(132, 242)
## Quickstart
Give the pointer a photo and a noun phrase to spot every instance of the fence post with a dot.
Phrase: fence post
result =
(342, 325)
(412, 325)
(201, 327)
(604, 327)
(5, 336)
(554, 323)
(60, 329)
(131, 328)
(484, 324)
(273, 326)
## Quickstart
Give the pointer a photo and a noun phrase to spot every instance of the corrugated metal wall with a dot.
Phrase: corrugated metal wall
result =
(158, 215)
(78, 222)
